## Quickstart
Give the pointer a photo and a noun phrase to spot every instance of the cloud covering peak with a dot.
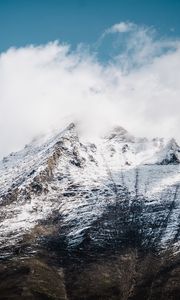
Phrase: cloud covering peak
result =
(47, 86)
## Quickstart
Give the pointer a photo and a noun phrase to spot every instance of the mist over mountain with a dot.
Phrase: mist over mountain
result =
(129, 77)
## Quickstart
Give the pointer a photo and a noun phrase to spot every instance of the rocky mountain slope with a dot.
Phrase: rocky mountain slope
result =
(91, 220)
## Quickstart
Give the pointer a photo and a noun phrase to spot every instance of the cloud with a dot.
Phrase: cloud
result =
(45, 87)
(121, 27)
(138, 46)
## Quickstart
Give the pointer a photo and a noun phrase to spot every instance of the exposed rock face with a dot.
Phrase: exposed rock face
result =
(91, 220)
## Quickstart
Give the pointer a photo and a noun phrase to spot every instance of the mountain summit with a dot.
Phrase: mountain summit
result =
(85, 220)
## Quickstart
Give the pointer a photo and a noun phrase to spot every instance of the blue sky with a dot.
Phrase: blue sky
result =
(24, 22)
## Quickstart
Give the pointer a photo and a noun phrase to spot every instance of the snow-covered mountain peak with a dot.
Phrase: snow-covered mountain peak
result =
(171, 153)
(172, 145)
(167, 152)
(80, 180)
(119, 134)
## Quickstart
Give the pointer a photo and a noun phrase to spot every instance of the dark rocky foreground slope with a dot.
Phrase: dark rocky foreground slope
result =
(95, 221)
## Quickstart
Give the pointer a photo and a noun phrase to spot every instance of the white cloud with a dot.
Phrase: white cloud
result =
(47, 86)
(121, 27)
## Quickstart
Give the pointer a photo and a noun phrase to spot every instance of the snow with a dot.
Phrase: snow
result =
(86, 177)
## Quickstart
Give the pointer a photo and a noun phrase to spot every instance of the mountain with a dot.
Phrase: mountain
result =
(91, 220)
